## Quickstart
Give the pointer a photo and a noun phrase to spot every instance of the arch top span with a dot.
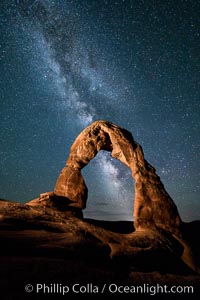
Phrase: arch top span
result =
(101, 135)
(152, 206)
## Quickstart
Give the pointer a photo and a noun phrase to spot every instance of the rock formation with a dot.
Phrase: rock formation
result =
(53, 224)
(153, 207)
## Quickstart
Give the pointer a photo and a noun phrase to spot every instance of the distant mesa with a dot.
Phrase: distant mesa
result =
(159, 237)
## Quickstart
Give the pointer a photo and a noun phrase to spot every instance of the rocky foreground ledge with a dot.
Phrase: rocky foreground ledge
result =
(46, 245)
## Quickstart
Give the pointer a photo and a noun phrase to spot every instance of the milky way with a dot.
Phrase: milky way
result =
(66, 64)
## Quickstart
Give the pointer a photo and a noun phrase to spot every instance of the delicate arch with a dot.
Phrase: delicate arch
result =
(152, 206)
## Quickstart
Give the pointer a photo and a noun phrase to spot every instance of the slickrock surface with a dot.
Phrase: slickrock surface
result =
(48, 245)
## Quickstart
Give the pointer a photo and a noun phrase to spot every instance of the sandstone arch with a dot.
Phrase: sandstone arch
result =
(153, 207)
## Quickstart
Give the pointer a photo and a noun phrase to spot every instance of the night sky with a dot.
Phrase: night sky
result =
(65, 64)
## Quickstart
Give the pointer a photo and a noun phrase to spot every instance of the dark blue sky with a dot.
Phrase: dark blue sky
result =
(65, 64)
